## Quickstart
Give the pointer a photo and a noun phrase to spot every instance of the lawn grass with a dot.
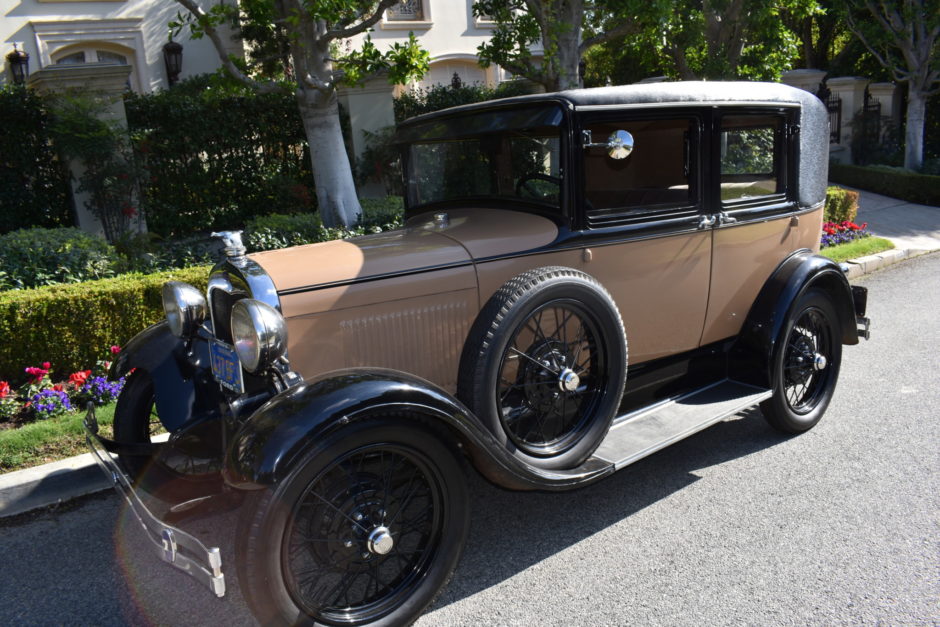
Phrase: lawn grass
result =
(856, 249)
(49, 440)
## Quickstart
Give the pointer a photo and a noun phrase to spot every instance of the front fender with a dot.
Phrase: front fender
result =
(274, 438)
(753, 351)
(182, 378)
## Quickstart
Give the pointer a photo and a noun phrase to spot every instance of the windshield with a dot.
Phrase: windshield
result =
(513, 154)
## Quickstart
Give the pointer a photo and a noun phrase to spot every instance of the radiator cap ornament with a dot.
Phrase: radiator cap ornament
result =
(232, 244)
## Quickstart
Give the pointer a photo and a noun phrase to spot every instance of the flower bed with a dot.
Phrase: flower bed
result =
(38, 398)
(835, 233)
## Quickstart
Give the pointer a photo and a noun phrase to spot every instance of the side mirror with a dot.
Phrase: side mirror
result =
(619, 145)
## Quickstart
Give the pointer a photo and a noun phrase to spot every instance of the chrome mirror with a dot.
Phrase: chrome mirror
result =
(619, 145)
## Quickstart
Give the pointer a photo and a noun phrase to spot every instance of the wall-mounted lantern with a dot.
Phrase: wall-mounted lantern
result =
(173, 57)
(19, 65)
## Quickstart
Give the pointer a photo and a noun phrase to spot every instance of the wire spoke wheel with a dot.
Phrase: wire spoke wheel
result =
(806, 365)
(363, 534)
(552, 376)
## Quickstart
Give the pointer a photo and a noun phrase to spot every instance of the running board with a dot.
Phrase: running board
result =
(634, 436)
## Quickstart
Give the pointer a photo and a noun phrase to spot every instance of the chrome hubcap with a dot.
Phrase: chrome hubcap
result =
(568, 380)
(380, 541)
(819, 362)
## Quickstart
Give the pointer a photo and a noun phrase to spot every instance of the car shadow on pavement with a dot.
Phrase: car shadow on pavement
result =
(511, 531)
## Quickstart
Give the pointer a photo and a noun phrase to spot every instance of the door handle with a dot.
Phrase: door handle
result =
(724, 218)
(706, 222)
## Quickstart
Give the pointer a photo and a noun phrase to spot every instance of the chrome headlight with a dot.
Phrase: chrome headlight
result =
(185, 307)
(259, 333)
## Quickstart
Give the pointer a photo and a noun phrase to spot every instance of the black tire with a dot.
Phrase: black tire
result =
(805, 365)
(322, 522)
(136, 420)
(516, 376)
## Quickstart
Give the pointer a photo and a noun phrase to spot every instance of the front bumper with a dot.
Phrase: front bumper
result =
(172, 545)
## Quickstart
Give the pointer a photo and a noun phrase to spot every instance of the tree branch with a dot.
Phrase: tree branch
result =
(627, 28)
(231, 68)
(346, 33)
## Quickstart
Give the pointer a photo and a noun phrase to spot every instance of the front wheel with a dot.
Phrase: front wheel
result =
(365, 530)
(805, 365)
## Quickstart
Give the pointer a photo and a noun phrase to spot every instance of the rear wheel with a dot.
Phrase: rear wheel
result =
(366, 529)
(805, 365)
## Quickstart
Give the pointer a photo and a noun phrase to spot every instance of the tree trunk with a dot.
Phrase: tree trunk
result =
(914, 129)
(332, 174)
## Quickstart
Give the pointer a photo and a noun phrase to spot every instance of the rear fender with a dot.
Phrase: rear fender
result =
(277, 436)
(182, 379)
(751, 356)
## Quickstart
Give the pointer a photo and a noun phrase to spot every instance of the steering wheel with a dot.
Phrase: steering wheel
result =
(523, 184)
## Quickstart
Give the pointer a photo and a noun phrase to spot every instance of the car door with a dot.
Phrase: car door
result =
(751, 204)
(640, 219)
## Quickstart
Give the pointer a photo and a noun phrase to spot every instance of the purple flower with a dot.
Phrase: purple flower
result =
(100, 391)
(49, 403)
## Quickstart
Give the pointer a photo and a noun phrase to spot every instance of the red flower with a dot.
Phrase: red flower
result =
(4, 389)
(37, 373)
(46, 365)
(115, 350)
(79, 378)
(58, 387)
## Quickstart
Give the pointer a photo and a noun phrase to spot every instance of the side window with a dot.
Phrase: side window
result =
(752, 158)
(656, 177)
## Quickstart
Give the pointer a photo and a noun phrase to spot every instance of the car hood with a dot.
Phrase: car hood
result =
(425, 243)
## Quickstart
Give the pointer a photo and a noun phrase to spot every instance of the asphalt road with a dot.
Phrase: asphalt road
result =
(736, 525)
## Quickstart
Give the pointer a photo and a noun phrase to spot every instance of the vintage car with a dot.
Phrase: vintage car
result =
(337, 393)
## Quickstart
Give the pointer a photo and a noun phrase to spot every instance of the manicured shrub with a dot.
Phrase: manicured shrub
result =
(71, 326)
(33, 182)
(281, 231)
(894, 182)
(841, 205)
(437, 97)
(37, 256)
(218, 155)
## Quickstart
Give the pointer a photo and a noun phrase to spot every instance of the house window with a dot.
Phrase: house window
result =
(407, 14)
(94, 53)
(406, 11)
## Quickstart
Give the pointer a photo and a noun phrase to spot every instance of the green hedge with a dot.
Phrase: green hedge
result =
(73, 326)
(894, 182)
(217, 157)
(841, 205)
(33, 182)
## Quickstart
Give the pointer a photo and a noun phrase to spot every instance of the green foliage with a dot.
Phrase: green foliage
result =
(404, 62)
(38, 256)
(437, 97)
(841, 205)
(72, 325)
(218, 155)
(381, 161)
(33, 182)
(110, 171)
(43, 441)
(893, 182)
(276, 231)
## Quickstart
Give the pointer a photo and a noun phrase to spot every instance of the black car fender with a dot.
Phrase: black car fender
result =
(182, 379)
(264, 450)
(752, 351)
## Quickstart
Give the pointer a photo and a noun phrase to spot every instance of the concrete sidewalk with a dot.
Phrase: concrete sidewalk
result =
(913, 228)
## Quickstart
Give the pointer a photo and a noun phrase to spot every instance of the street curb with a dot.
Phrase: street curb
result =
(32, 488)
(867, 265)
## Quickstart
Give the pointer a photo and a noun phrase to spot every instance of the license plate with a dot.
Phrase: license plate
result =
(226, 368)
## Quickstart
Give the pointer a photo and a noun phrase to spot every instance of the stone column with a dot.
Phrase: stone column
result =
(806, 79)
(371, 108)
(107, 82)
(851, 90)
